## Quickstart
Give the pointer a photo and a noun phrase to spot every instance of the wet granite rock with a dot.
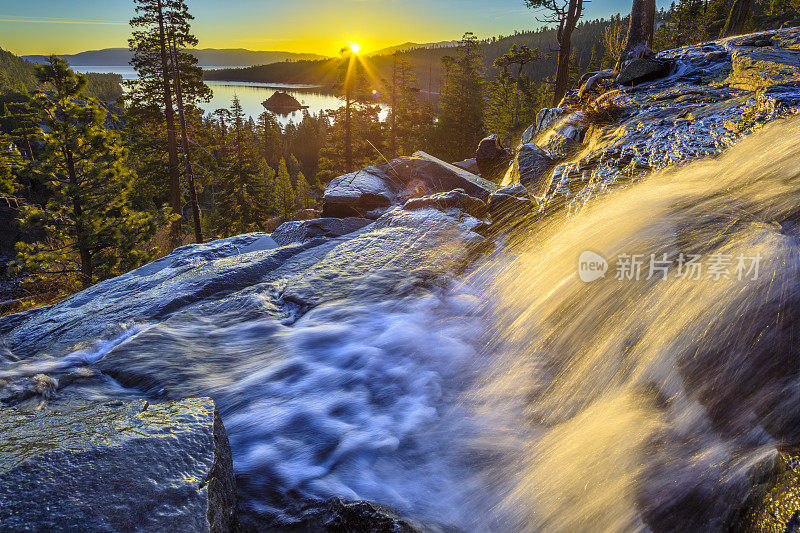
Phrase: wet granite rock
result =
(370, 192)
(545, 118)
(643, 69)
(702, 108)
(754, 69)
(117, 466)
(337, 515)
(772, 504)
(492, 159)
(510, 203)
(300, 231)
(385, 261)
(456, 199)
(532, 167)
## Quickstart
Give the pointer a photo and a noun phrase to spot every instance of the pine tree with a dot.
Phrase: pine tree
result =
(409, 120)
(461, 103)
(305, 141)
(501, 108)
(270, 138)
(152, 94)
(91, 231)
(304, 198)
(517, 57)
(564, 13)
(10, 163)
(238, 189)
(283, 192)
(367, 141)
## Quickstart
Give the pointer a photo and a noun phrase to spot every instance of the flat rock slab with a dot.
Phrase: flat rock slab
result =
(117, 466)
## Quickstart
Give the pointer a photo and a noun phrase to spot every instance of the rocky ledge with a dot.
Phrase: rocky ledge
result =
(607, 134)
(117, 466)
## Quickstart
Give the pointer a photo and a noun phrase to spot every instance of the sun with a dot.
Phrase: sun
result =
(355, 48)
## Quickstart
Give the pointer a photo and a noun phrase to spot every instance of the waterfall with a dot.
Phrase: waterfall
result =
(643, 397)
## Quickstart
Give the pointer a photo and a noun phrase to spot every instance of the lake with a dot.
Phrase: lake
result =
(250, 94)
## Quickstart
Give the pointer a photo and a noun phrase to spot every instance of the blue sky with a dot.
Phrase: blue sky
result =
(321, 26)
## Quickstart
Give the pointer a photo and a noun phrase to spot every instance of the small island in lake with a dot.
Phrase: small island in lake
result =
(282, 102)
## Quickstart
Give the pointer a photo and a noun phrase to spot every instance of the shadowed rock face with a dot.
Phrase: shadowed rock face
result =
(492, 159)
(511, 204)
(117, 466)
(532, 168)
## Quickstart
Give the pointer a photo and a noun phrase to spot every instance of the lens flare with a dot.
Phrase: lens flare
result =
(355, 48)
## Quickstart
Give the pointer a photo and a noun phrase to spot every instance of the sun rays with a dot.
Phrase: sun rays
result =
(352, 54)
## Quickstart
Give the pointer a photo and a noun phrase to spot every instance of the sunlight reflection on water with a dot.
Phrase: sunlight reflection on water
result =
(251, 94)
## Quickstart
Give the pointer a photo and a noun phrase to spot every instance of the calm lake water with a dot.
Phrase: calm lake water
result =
(250, 94)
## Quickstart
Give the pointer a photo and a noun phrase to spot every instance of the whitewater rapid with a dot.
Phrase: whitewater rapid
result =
(516, 397)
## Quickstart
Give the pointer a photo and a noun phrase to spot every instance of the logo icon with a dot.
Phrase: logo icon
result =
(591, 266)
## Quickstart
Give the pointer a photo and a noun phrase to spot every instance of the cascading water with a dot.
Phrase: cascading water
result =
(625, 404)
(520, 398)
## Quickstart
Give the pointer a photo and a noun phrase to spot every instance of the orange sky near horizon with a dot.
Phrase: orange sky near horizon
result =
(314, 26)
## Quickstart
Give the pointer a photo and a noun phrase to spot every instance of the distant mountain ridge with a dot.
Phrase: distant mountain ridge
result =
(211, 57)
(410, 46)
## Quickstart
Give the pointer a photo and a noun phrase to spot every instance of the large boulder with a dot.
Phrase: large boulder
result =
(641, 70)
(300, 231)
(532, 167)
(489, 149)
(118, 466)
(492, 159)
(370, 192)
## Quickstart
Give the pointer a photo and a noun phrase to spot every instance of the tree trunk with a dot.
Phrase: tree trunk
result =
(198, 231)
(565, 29)
(393, 117)
(737, 17)
(562, 73)
(80, 231)
(348, 148)
(172, 145)
(639, 40)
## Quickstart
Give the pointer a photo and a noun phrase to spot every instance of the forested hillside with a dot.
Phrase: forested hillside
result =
(19, 75)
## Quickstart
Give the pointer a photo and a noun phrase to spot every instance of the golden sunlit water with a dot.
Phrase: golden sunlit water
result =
(634, 405)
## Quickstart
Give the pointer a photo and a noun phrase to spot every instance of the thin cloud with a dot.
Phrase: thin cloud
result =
(38, 20)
